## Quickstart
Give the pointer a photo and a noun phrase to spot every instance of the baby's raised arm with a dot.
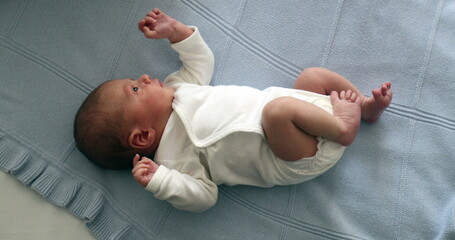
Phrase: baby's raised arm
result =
(158, 25)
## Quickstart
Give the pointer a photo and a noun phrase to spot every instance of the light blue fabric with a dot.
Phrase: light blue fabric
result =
(395, 182)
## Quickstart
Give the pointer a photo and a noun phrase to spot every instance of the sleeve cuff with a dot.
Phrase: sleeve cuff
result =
(188, 41)
(157, 179)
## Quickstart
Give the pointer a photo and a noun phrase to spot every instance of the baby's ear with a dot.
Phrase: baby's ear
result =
(142, 138)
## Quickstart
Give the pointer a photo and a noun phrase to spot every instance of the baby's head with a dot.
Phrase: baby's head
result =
(121, 118)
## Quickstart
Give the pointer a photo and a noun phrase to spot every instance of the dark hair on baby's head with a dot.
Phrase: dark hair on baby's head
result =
(100, 131)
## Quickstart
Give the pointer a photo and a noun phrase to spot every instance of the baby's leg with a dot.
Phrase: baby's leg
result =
(323, 81)
(290, 124)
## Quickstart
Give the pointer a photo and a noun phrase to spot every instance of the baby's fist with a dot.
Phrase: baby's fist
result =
(143, 170)
(157, 25)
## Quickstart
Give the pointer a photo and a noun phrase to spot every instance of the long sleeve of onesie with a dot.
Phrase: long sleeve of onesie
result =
(195, 192)
(197, 61)
(182, 190)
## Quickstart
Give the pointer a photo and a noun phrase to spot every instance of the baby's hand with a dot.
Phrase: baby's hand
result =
(157, 25)
(143, 170)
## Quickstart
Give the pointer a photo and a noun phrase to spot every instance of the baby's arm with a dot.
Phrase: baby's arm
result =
(194, 193)
(196, 56)
(158, 25)
(197, 59)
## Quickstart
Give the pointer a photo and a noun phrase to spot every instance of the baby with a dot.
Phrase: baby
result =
(200, 136)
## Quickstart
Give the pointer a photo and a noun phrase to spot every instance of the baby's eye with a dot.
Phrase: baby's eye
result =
(135, 89)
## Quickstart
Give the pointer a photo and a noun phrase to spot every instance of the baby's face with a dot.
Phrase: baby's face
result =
(144, 100)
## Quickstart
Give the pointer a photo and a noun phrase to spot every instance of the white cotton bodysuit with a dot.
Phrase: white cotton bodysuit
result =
(214, 136)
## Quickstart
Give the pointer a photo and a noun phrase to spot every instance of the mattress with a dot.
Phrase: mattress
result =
(394, 182)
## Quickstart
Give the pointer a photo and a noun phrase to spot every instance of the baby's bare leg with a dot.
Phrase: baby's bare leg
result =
(290, 125)
(323, 81)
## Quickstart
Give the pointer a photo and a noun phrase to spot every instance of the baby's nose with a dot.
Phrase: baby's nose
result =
(145, 79)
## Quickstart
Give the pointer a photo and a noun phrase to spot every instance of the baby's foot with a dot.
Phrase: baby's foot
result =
(347, 111)
(372, 107)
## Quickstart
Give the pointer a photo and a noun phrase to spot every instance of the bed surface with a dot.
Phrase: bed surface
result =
(27, 215)
(394, 182)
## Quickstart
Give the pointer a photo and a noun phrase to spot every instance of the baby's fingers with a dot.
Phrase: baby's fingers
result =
(136, 159)
(151, 14)
(149, 33)
(142, 177)
(146, 22)
(150, 22)
(140, 173)
(154, 13)
(141, 25)
(142, 165)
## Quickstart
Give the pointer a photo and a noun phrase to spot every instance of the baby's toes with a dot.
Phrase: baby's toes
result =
(343, 95)
(353, 97)
(348, 94)
(384, 90)
(334, 97)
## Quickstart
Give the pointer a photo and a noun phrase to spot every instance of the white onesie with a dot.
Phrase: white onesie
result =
(214, 136)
